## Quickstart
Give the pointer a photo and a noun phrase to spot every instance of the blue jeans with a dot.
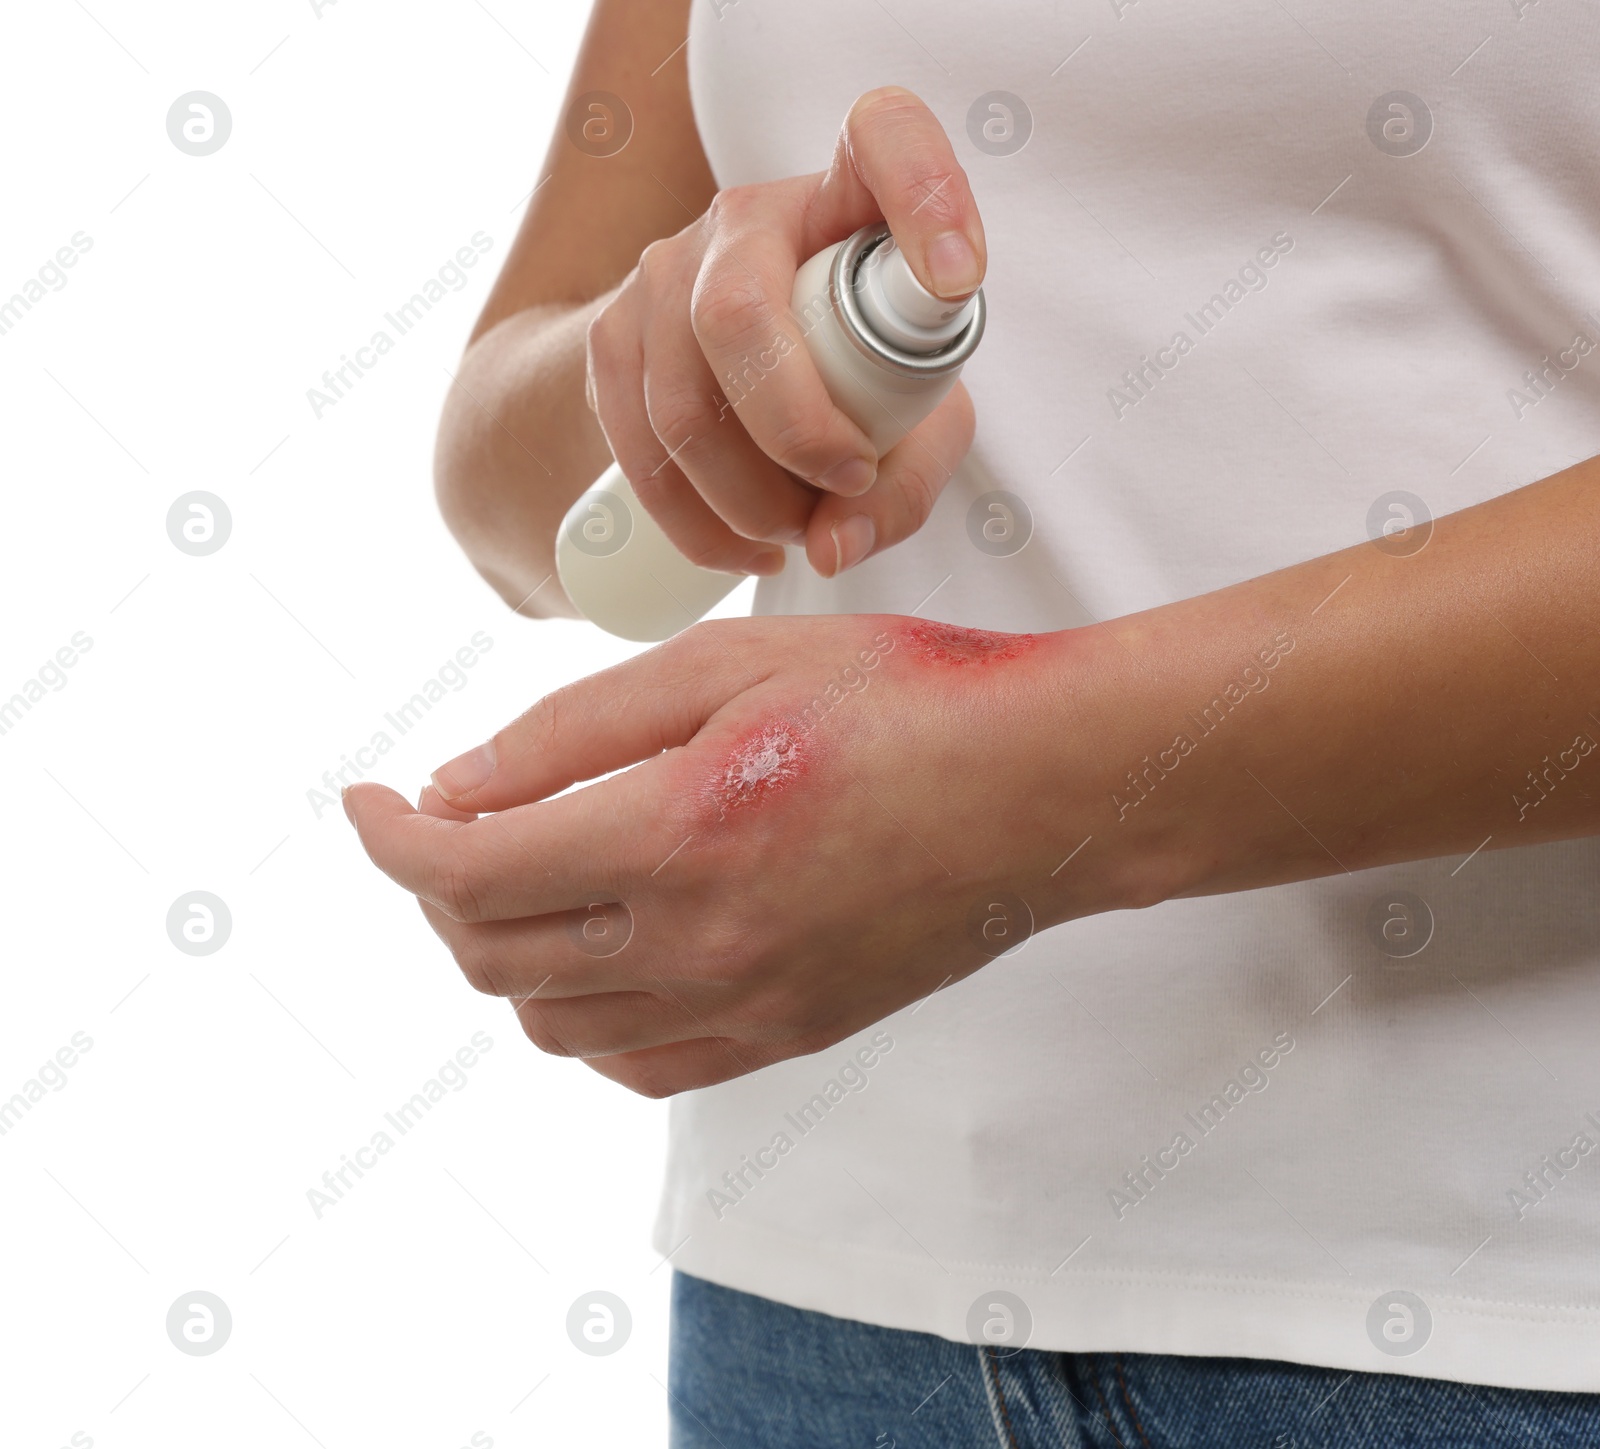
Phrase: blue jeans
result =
(747, 1373)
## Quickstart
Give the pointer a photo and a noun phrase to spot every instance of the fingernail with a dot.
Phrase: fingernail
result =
(465, 773)
(850, 478)
(767, 564)
(853, 538)
(953, 265)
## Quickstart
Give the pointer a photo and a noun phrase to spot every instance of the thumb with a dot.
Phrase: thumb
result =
(894, 160)
(630, 712)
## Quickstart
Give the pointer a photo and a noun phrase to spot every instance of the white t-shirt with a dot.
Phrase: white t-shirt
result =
(1392, 1160)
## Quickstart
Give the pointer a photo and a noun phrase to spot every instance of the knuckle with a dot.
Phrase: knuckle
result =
(654, 259)
(654, 490)
(602, 348)
(599, 334)
(537, 729)
(662, 495)
(730, 206)
(931, 188)
(728, 307)
(458, 887)
(537, 1027)
(677, 413)
(708, 644)
(554, 725)
(918, 493)
(799, 442)
(896, 128)
(478, 964)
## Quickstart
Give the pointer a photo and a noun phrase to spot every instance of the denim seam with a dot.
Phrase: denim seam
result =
(1105, 1408)
(1127, 1398)
(999, 1412)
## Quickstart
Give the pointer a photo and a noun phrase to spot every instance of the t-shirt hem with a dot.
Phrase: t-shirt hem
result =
(1553, 1347)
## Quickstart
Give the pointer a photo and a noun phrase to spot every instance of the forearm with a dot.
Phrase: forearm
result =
(1362, 708)
(517, 444)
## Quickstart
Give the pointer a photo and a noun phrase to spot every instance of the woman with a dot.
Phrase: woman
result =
(1253, 648)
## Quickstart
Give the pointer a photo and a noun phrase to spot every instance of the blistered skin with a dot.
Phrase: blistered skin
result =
(763, 763)
(950, 644)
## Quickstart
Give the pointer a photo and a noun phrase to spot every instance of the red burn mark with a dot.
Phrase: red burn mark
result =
(765, 761)
(952, 644)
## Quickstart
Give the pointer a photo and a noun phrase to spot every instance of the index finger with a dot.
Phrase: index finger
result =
(527, 861)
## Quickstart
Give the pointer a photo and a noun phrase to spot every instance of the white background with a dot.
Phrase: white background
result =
(368, 144)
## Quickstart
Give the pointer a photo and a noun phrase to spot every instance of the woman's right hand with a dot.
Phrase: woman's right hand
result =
(784, 465)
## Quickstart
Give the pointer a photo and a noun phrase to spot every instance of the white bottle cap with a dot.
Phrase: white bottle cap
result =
(900, 309)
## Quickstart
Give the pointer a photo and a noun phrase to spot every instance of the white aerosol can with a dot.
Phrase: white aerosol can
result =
(888, 351)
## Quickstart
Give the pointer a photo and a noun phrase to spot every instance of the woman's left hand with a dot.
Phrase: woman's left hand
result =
(833, 818)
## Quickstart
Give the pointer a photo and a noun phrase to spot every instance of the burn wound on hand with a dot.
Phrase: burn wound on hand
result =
(952, 644)
(764, 762)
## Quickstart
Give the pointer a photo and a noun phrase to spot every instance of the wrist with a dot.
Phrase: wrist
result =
(1199, 710)
(1088, 718)
(1144, 737)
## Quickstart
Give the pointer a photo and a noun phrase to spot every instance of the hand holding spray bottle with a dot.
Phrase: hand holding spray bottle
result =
(888, 351)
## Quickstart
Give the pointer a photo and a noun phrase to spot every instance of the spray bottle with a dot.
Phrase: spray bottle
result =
(888, 351)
